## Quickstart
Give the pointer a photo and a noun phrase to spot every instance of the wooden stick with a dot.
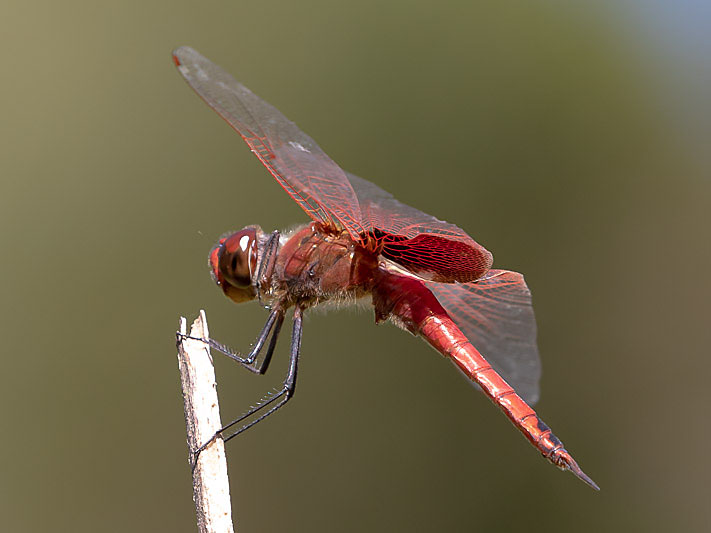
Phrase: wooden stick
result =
(211, 488)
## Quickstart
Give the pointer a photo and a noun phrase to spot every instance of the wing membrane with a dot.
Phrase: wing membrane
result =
(496, 315)
(307, 174)
(426, 246)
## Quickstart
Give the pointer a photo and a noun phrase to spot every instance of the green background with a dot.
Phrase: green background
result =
(570, 138)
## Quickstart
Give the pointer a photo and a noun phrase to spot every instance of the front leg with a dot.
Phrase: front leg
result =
(283, 395)
(274, 321)
(287, 390)
(266, 265)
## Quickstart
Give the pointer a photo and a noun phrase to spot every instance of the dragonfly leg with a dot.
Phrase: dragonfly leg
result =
(274, 321)
(272, 401)
(266, 265)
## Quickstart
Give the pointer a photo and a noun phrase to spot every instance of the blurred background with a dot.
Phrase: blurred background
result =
(570, 138)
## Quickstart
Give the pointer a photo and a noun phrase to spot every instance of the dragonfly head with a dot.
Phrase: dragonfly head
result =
(233, 263)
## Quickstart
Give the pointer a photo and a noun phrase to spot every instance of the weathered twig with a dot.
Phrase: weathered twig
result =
(211, 489)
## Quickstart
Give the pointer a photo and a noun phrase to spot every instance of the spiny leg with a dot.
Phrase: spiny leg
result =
(283, 395)
(275, 320)
(288, 388)
(262, 369)
(266, 265)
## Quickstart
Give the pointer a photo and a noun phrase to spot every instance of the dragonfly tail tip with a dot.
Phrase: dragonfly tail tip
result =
(584, 478)
(566, 462)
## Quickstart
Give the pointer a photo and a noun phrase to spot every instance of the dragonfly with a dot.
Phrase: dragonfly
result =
(424, 275)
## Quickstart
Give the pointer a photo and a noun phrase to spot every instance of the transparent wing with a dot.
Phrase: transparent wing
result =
(422, 244)
(310, 177)
(426, 246)
(496, 315)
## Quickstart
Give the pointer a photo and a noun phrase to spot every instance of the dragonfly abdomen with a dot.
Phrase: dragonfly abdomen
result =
(411, 304)
(440, 331)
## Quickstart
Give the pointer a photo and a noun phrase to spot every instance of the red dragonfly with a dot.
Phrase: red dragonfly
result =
(425, 275)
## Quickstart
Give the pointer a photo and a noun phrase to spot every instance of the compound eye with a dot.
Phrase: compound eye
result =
(238, 258)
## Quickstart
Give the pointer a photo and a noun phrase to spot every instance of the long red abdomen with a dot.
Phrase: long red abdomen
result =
(408, 301)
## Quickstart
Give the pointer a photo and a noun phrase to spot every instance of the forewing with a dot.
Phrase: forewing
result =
(310, 177)
(496, 315)
(426, 246)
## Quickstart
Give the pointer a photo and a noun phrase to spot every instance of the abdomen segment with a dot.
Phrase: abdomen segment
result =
(410, 304)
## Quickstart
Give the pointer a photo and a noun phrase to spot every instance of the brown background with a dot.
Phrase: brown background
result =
(569, 138)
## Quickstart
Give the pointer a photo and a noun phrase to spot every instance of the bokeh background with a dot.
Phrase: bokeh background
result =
(571, 138)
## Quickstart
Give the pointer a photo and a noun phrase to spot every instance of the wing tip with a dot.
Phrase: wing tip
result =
(180, 54)
(532, 397)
